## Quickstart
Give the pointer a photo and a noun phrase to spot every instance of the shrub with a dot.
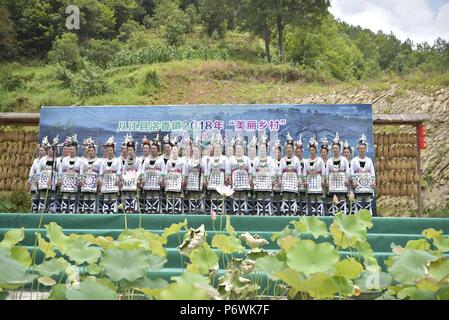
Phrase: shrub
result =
(101, 52)
(171, 21)
(89, 82)
(152, 79)
(127, 29)
(142, 39)
(61, 73)
(65, 51)
(10, 82)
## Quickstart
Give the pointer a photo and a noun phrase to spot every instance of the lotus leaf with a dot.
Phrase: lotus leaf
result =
(411, 266)
(80, 252)
(12, 237)
(308, 257)
(203, 259)
(312, 225)
(122, 264)
(227, 244)
(91, 290)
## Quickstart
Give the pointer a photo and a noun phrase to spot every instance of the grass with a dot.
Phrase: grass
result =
(196, 81)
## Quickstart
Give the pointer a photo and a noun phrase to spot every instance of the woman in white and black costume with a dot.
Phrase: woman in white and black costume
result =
(290, 170)
(130, 177)
(90, 182)
(33, 178)
(314, 171)
(165, 156)
(240, 171)
(276, 202)
(47, 176)
(216, 175)
(324, 154)
(65, 153)
(146, 145)
(347, 153)
(263, 177)
(207, 153)
(185, 152)
(194, 180)
(110, 172)
(252, 154)
(337, 178)
(302, 194)
(152, 173)
(363, 177)
(173, 181)
(69, 178)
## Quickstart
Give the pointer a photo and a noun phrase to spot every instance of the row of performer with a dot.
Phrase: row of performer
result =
(185, 176)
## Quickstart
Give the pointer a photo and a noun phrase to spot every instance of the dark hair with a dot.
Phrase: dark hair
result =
(310, 147)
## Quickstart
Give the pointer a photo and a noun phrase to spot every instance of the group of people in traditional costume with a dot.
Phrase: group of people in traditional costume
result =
(185, 176)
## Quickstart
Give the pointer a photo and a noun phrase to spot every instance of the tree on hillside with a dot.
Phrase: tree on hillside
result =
(36, 24)
(8, 41)
(297, 13)
(171, 21)
(218, 16)
(261, 16)
(325, 50)
(65, 51)
(255, 16)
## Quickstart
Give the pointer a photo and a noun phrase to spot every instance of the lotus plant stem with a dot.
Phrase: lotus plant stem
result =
(140, 209)
(35, 240)
(181, 257)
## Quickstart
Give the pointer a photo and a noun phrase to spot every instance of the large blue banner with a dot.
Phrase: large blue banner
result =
(101, 122)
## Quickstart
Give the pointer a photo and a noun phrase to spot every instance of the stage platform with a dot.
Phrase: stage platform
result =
(381, 236)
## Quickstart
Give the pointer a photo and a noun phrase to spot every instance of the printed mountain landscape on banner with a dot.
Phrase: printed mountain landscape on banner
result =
(101, 122)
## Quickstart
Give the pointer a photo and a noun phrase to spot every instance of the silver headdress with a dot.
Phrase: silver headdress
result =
(337, 141)
(238, 141)
(363, 141)
(298, 142)
(289, 140)
(89, 142)
(109, 143)
(313, 142)
(324, 143)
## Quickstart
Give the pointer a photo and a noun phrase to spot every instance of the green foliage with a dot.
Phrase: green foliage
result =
(307, 257)
(10, 82)
(171, 21)
(66, 52)
(13, 274)
(81, 252)
(348, 230)
(63, 74)
(127, 29)
(12, 237)
(227, 244)
(91, 290)
(301, 269)
(100, 52)
(8, 40)
(89, 82)
(203, 260)
(216, 15)
(122, 264)
(312, 225)
(325, 50)
(306, 36)
(157, 54)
